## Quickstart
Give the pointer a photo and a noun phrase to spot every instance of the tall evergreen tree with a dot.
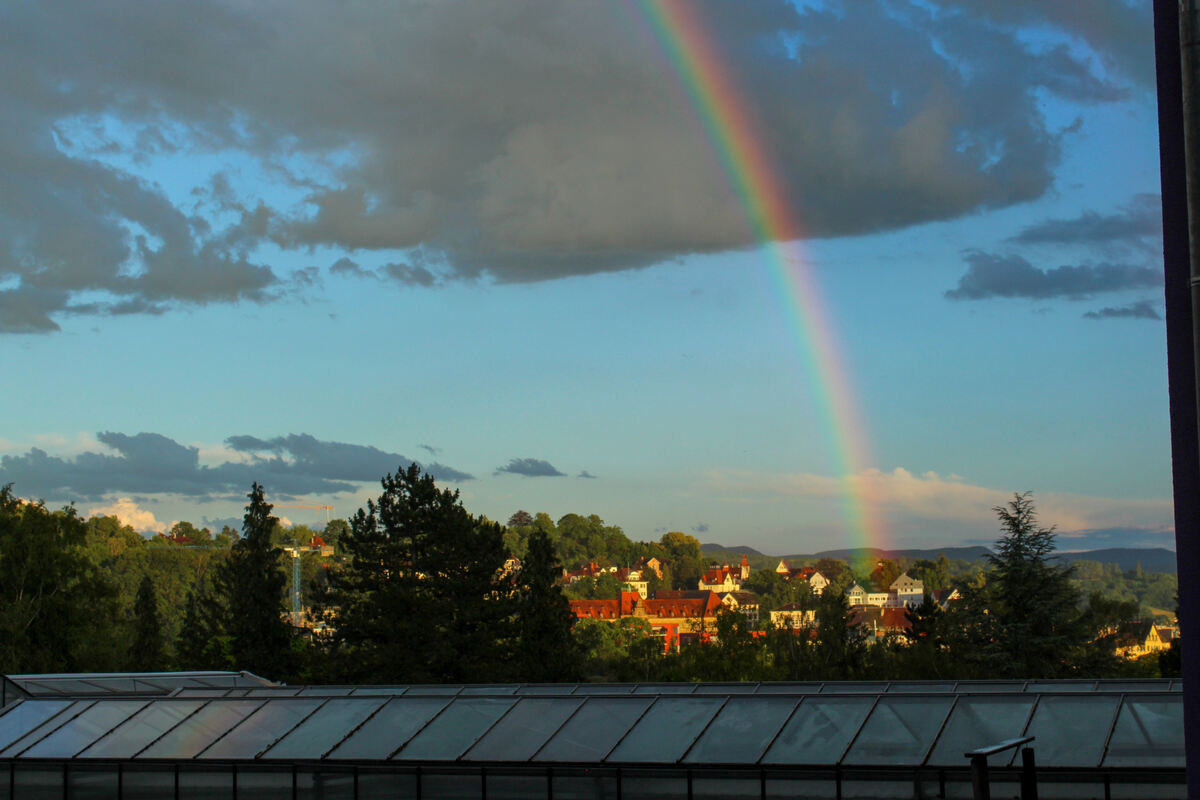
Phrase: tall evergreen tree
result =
(252, 583)
(1034, 606)
(546, 649)
(148, 650)
(424, 595)
(202, 642)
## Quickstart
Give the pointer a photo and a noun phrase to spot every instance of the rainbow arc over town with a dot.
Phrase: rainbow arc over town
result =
(696, 62)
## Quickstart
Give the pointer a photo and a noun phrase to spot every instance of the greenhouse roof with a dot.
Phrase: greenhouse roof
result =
(1106, 725)
(93, 684)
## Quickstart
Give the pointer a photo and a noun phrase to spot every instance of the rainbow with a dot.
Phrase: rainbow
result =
(681, 35)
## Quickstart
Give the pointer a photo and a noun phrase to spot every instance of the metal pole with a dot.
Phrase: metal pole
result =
(1028, 775)
(980, 789)
(1178, 134)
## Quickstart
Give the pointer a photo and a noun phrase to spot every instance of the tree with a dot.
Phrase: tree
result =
(148, 651)
(546, 650)
(58, 612)
(251, 582)
(520, 519)
(424, 596)
(1032, 601)
(202, 642)
(840, 647)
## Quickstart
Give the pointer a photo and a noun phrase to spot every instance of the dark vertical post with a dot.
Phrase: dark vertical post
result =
(980, 789)
(1028, 775)
(1169, 51)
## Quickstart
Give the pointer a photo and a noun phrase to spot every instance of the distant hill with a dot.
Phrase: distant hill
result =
(953, 553)
(741, 549)
(1152, 559)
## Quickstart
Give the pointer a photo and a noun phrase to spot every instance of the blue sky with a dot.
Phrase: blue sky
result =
(279, 244)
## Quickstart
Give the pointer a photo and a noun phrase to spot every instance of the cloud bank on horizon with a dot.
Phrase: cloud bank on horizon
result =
(514, 142)
(150, 463)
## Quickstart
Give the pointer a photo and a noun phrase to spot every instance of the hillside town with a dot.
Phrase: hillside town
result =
(682, 617)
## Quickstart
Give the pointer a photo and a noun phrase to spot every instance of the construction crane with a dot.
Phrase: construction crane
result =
(326, 509)
(295, 551)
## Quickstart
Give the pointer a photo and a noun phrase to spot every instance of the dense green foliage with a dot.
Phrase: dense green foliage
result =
(251, 584)
(418, 589)
(148, 653)
(424, 596)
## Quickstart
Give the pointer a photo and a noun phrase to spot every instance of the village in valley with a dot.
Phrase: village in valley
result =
(685, 616)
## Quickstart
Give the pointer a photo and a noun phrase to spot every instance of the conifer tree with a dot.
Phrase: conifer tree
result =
(424, 596)
(546, 649)
(148, 651)
(1033, 604)
(252, 583)
(202, 642)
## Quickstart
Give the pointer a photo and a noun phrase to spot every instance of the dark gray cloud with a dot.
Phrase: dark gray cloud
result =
(345, 266)
(530, 468)
(991, 275)
(586, 474)
(1139, 224)
(149, 463)
(1142, 309)
(409, 275)
(521, 141)
(433, 451)
(700, 527)
(338, 460)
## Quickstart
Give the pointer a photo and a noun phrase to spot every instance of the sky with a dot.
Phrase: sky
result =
(307, 244)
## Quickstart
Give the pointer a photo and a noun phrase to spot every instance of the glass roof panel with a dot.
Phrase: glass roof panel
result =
(789, 688)
(604, 688)
(31, 735)
(325, 691)
(392, 726)
(1060, 686)
(594, 729)
(853, 687)
(1148, 733)
(664, 688)
(819, 730)
(1133, 686)
(981, 687)
(23, 717)
(201, 729)
(667, 730)
(269, 691)
(84, 729)
(524, 730)
(267, 725)
(726, 688)
(433, 689)
(1071, 731)
(979, 721)
(186, 692)
(506, 688)
(455, 729)
(143, 728)
(321, 732)
(932, 687)
(741, 731)
(900, 730)
(546, 688)
(379, 691)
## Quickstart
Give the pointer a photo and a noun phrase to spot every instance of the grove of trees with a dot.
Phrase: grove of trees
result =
(421, 590)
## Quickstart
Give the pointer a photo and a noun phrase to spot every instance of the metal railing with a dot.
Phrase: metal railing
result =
(981, 788)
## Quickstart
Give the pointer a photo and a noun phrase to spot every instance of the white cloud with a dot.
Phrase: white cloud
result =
(129, 513)
(933, 497)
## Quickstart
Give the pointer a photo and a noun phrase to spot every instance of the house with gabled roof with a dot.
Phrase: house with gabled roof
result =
(725, 578)
(810, 575)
